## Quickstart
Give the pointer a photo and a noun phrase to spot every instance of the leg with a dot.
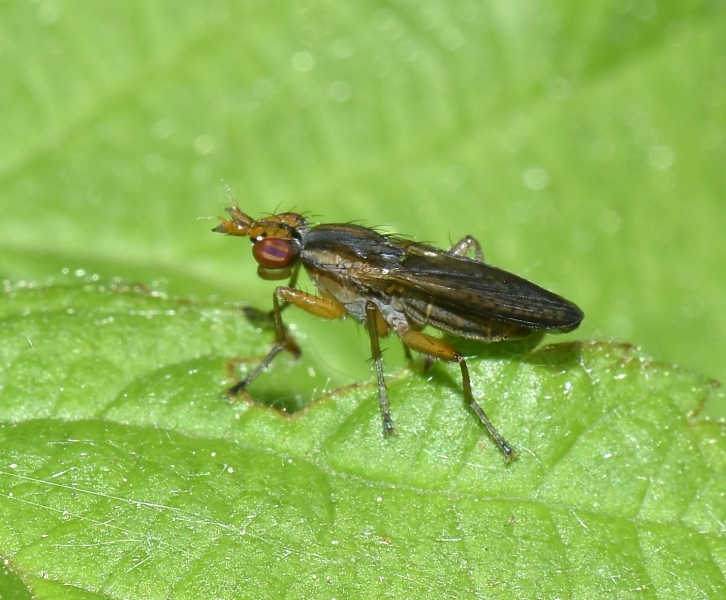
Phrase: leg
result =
(322, 307)
(373, 323)
(291, 284)
(257, 315)
(462, 247)
(428, 362)
(432, 346)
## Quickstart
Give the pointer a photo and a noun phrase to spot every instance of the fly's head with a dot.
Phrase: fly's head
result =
(276, 240)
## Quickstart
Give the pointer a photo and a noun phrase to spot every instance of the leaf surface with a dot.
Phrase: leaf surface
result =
(125, 474)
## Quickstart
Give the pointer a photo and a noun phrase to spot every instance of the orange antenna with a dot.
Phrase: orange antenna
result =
(239, 224)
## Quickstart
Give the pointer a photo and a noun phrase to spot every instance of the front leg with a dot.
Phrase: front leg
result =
(322, 307)
(377, 327)
(257, 315)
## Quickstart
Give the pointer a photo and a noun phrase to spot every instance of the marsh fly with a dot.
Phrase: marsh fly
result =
(391, 284)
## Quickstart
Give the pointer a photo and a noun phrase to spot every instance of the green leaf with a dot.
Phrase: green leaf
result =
(124, 473)
(582, 144)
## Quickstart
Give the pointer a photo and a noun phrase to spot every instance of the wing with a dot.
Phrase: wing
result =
(455, 293)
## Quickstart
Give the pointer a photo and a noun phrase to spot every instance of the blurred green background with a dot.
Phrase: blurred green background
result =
(584, 144)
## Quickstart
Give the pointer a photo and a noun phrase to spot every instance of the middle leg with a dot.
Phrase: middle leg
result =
(377, 326)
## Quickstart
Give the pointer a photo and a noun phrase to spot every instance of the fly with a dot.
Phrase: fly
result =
(391, 284)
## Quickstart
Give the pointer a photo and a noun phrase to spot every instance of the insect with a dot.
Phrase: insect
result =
(391, 284)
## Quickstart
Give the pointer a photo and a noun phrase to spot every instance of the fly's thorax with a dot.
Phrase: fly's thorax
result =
(332, 244)
(348, 261)
(343, 289)
(354, 295)
(393, 314)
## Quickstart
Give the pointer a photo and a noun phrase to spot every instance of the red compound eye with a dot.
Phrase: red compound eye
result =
(273, 253)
